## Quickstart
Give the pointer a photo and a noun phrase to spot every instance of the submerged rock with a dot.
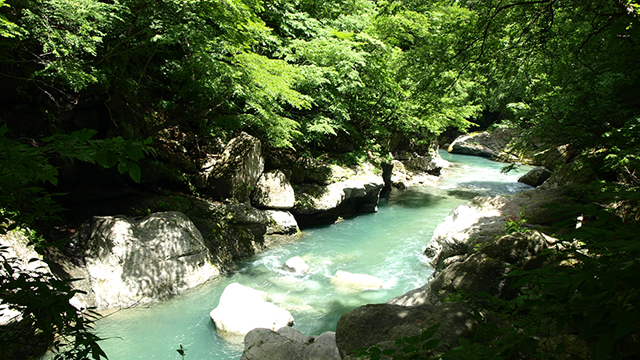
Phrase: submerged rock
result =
(288, 343)
(296, 265)
(347, 281)
(242, 309)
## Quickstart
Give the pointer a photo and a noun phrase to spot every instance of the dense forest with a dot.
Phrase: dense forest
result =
(109, 83)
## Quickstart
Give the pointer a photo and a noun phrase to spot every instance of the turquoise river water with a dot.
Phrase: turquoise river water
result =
(387, 244)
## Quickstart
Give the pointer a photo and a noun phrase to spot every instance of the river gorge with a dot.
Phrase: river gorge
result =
(387, 244)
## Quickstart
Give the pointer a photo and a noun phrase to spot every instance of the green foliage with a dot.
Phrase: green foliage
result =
(514, 224)
(47, 317)
(407, 348)
(7, 28)
(582, 304)
(25, 170)
(43, 299)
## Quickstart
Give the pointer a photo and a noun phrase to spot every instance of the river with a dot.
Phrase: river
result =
(387, 244)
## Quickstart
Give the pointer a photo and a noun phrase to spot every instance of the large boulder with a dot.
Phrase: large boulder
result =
(290, 344)
(237, 172)
(431, 163)
(273, 191)
(281, 223)
(133, 261)
(324, 204)
(451, 237)
(553, 158)
(485, 144)
(242, 309)
(536, 176)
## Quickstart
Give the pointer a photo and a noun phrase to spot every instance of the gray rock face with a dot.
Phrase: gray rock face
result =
(452, 236)
(415, 170)
(18, 254)
(236, 173)
(137, 261)
(471, 144)
(281, 223)
(242, 309)
(382, 324)
(318, 204)
(536, 176)
(483, 144)
(289, 344)
(552, 158)
(273, 191)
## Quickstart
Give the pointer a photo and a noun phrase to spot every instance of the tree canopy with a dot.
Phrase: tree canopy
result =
(97, 81)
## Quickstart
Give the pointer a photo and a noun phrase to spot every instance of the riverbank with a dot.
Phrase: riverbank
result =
(471, 252)
(387, 244)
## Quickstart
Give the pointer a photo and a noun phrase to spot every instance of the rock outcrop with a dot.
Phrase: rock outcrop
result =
(273, 191)
(129, 261)
(383, 324)
(237, 171)
(412, 169)
(288, 343)
(242, 309)
(324, 204)
(476, 144)
(536, 176)
(234, 231)
(281, 223)
(495, 144)
(470, 253)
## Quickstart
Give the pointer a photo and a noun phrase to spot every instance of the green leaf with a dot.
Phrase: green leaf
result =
(464, 343)
(428, 334)
(123, 167)
(134, 172)
(626, 325)
(409, 349)
(431, 344)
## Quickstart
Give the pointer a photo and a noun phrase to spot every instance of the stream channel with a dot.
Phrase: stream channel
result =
(387, 244)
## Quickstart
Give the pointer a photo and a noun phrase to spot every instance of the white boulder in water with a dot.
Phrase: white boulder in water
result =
(242, 309)
(356, 282)
(296, 265)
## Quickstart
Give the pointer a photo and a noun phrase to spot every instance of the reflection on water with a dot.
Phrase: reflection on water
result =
(415, 198)
(387, 244)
